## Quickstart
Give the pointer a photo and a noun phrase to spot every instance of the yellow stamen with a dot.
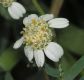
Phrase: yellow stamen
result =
(37, 34)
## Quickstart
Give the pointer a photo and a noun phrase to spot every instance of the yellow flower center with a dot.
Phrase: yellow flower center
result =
(37, 34)
(6, 3)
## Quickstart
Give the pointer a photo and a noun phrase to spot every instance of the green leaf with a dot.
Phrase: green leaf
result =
(8, 76)
(72, 38)
(82, 78)
(51, 71)
(4, 12)
(67, 61)
(75, 69)
(9, 59)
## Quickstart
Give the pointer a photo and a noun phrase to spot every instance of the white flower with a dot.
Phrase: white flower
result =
(16, 10)
(37, 38)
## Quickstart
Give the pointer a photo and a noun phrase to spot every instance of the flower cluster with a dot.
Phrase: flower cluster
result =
(15, 9)
(37, 35)
(37, 38)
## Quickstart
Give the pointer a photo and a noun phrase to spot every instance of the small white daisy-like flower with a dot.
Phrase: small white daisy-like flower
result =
(15, 9)
(37, 38)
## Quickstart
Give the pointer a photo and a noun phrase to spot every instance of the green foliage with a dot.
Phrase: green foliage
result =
(71, 72)
(75, 69)
(72, 38)
(8, 76)
(9, 59)
(51, 71)
(4, 12)
(82, 78)
(67, 61)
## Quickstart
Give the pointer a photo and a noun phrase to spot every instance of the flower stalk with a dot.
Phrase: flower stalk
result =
(61, 74)
(38, 7)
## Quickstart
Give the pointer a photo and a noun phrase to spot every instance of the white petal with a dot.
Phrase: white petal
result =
(47, 17)
(58, 23)
(54, 51)
(28, 19)
(39, 58)
(29, 53)
(50, 55)
(21, 7)
(17, 11)
(12, 13)
(18, 43)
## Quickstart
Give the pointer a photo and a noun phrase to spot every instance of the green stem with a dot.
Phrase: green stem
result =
(36, 4)
(61, 71)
